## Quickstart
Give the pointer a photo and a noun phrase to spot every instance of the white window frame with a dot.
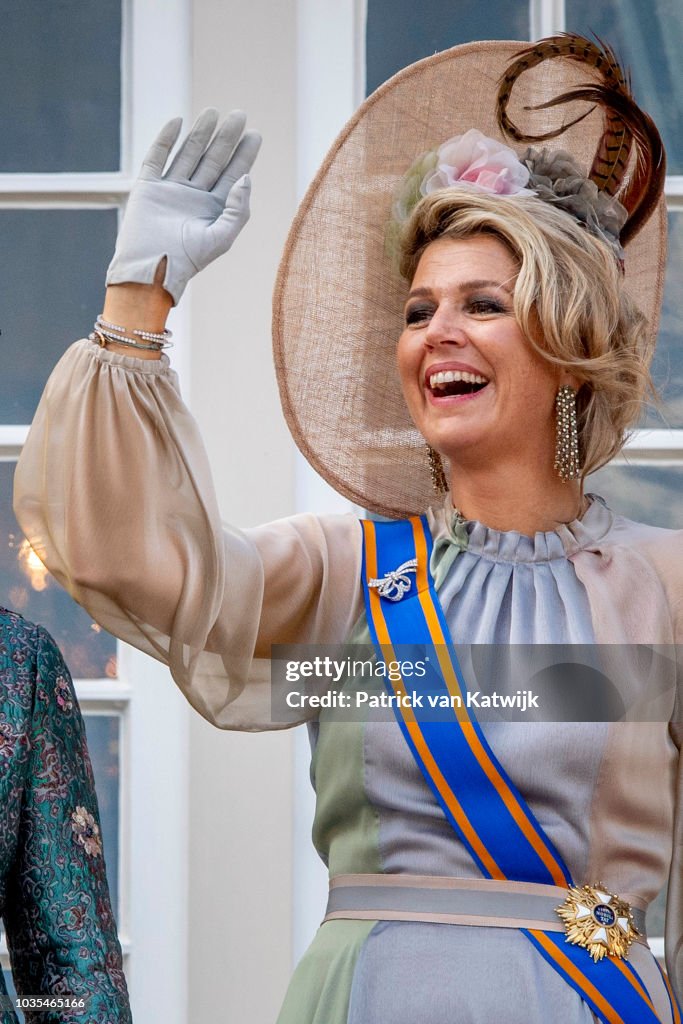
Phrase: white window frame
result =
(154, 758)
(331, 49)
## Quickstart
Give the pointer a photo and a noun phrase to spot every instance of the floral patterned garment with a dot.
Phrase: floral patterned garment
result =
(54, 898)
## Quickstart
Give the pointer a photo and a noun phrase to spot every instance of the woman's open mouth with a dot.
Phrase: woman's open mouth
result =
(454, 384)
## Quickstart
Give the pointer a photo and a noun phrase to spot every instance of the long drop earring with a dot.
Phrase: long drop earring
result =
(439, 482)
(567, 461)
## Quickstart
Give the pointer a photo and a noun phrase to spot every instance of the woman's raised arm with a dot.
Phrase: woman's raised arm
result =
(113, 488)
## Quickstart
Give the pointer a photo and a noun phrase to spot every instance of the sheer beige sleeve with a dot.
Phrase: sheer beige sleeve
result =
(674, 903)
(114, 492)
(663, 548)
(666, 556)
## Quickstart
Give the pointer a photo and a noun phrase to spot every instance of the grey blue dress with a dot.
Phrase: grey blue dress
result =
(375, 813)
(54, 899)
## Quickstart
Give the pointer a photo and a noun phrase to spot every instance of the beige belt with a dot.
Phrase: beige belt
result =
(443, 900)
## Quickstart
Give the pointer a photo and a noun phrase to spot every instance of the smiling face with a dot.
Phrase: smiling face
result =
(474, 386)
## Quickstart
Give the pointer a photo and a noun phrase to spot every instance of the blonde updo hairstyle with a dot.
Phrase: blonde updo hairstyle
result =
(568, 300)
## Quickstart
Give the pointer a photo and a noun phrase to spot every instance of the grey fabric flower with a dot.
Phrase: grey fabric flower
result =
(558, 179)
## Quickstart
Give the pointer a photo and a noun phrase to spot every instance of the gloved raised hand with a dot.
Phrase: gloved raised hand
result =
(193, 213)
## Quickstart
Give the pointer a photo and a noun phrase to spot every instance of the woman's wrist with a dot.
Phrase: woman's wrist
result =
(137, 307)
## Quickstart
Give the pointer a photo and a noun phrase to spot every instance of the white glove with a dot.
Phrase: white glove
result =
(193, 213)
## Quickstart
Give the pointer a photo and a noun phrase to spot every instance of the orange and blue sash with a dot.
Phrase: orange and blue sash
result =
(484, 807)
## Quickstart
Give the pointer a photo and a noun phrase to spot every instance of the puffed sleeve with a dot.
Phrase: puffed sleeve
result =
(114, 492)
(664, 548)
(61, 931)
(673, 943)
(667, 558)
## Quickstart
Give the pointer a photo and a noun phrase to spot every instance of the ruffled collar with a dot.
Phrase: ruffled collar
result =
(452, 535)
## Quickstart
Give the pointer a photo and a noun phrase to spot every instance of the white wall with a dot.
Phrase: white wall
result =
(240, 785)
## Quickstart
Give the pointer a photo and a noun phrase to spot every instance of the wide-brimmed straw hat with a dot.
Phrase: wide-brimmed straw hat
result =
(338, 304)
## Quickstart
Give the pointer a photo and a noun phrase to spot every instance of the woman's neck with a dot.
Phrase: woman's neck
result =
(526, 500)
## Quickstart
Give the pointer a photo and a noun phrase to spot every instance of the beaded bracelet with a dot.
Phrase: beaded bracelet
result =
(105, 331)
(160, 338)
(102, 337)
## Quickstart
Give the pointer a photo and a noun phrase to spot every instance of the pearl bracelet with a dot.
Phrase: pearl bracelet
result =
(105, 331)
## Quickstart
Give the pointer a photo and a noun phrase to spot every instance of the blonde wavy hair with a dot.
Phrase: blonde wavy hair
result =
(568, 300)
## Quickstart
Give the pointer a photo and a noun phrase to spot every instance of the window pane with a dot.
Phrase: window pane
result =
(104, 747)
(648, 38)
(399, 32)
(648, 494)
(51, 289)
(60, 85)
(667, 370)
(27, 587)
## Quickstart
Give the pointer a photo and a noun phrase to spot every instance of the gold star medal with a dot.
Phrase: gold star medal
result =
(599, 921)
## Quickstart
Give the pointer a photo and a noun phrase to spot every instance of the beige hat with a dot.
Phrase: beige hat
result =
(338, 303)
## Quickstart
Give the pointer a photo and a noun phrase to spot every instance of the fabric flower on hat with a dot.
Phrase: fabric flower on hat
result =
(470, 161)
(474, 161)
(558, 179)
(409, 190)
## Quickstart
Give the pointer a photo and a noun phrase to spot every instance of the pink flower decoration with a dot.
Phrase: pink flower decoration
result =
(476, 162)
